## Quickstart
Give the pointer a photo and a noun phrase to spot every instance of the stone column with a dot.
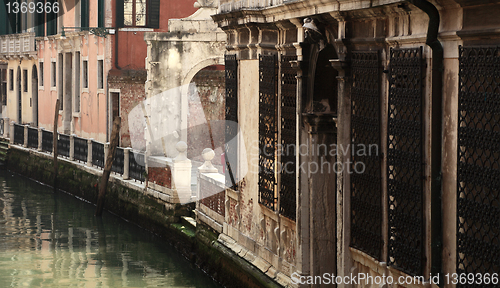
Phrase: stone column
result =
(321, 170)
(181, 174)
(25, 136)
(72, 147)
(11, 132)
(6, 127)
(89, 152)
(343, 178)
(303, 222)
(207, 167)
(40, 138)
(106, 151)
(126, 162)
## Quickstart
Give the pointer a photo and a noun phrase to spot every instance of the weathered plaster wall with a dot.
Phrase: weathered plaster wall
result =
(173, 60)
(12, 110)
(90, 122)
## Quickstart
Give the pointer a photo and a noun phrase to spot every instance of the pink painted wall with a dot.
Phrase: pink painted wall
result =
(90, 122)
(132, 47)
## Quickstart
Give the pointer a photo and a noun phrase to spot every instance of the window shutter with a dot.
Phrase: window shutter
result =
(11, 28)
(51, 21)
(19, 25)
(119, 13)
(84, 13)
(40, 24)
(153, 14)
(100, 13)
(3, 15)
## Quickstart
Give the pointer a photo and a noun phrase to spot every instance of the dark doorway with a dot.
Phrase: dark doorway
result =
(19, 97)
(34, 95)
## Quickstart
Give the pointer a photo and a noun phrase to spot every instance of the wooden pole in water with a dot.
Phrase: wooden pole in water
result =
(54, 143)
(115, 134)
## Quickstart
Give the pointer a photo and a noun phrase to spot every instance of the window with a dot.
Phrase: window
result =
(85, 74)
(138, 13)
(115, 104)
(53, 74)
(100, 74)
(60, 79)
(25, 80)
(277, 135)
(77, 83)
(11, 79)
(41, 74)
(134, 12)
(3, 83)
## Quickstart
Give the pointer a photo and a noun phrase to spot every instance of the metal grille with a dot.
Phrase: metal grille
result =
(81, 149)
(63, 145)
(267, 130)
(98, 154)
(231, 128)
(18, 134)
(47, 141)
(288, 186)
(366, 188)
(213, 196)
(118, 161)
(478, 175)
(404, 161)
(32, 137)
(136, 166)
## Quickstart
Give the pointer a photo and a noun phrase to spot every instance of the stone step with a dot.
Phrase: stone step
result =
(188, 222)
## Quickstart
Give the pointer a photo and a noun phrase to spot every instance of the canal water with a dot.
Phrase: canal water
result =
(52, 239)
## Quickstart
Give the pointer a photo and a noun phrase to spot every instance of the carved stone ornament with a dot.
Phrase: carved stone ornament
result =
(313, 33)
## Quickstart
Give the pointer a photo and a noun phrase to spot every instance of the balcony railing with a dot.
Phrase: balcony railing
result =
(235, 5)
(17, 44)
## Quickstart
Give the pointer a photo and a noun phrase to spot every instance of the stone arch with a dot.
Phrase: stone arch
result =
(179, 52)
(217, 60)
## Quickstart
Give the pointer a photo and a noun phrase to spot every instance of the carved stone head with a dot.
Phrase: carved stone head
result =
(314, 33)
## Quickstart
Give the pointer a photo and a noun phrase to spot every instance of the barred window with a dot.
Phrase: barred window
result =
(277, 134)
(231, 123)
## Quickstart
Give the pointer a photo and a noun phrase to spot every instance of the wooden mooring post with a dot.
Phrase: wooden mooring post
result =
(54, 143)
(115, 134)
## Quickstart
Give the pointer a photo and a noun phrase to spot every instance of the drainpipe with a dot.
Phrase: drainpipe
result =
(116, 49)
(436, 134)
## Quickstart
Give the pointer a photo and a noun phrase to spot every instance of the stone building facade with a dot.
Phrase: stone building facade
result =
(385, 114)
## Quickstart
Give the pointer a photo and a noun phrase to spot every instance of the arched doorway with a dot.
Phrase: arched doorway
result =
(34, 95)
(206, 106)
(19, 97)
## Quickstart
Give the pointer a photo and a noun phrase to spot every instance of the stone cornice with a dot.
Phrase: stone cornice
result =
(340, 10)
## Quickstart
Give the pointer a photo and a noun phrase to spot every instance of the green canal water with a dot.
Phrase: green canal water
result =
(52, 239)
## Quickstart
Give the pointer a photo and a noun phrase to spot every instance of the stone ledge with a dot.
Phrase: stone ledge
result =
(209, 221)
(261, 264)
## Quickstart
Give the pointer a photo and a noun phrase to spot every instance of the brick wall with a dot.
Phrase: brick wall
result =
(160, 176)
(131, 85)
(210, 91)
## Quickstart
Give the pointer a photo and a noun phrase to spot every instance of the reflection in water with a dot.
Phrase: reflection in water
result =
(53, 240)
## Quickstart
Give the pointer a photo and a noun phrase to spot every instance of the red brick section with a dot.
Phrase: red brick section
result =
(213, 197)
(210, 88)
(233, 214)
(132, 93)
(160, 176)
